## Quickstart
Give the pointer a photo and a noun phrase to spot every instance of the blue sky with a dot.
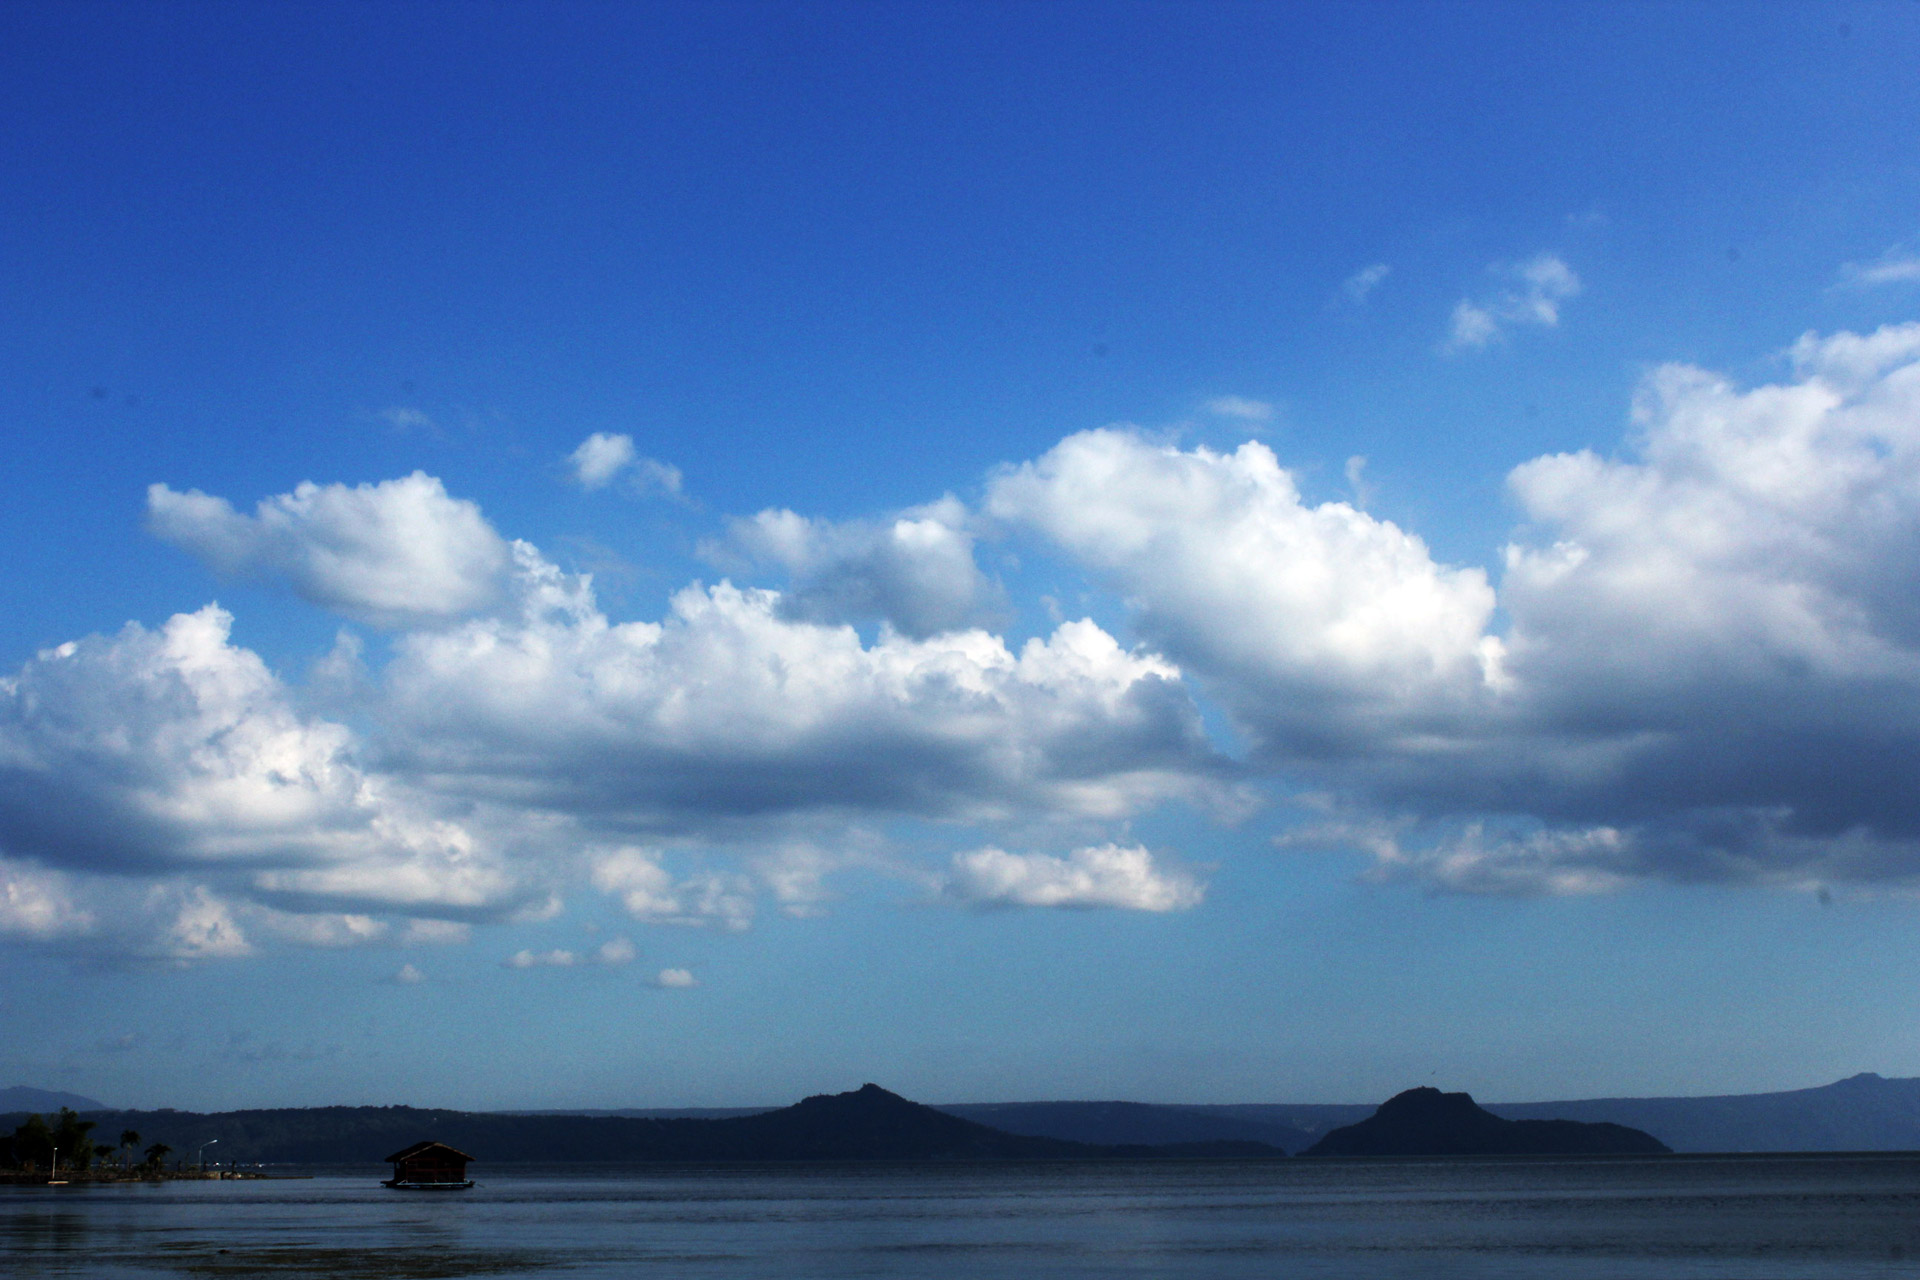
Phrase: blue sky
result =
(1200, 553)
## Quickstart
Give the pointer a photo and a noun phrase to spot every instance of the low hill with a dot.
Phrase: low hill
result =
(22, 1097)
(867, 1124)
(1427, 1122)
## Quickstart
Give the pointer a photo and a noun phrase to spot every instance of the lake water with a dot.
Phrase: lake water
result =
(1751, 1218)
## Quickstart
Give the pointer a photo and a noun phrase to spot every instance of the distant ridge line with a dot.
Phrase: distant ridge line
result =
(1863, 1113)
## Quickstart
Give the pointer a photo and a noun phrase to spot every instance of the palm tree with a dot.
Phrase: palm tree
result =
(70, 1135)
(157, 1152)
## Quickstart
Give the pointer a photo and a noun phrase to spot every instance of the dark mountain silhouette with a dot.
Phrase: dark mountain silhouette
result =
(1427, 1122)
(867, 1124)
(22, 1097)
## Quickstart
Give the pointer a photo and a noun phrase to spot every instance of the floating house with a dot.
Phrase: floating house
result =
(429, 1166)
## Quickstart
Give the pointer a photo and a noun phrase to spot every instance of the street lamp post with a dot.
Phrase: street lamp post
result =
(203, 1153)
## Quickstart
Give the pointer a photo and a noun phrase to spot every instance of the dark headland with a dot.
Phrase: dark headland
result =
(1427, 1122)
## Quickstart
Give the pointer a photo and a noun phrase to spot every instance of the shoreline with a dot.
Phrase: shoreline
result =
(96, 1177)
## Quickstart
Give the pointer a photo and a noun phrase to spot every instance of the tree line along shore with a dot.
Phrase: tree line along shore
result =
(62, 1148)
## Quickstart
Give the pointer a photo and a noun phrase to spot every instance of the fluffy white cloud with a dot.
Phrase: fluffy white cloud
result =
(1323, 628)
(409, 975)
(1754, 532)
(38, 904)
(170, 752)
(675, 979)
(1714, 654)
(728, 710)
(1729, 617)
(916, 571)
(1107, 875)
(1710, 670)
(1537, 288)
(1525, 861)
(319, 929)
(616, 951)
(507, 742)
(601, 458)
(169, 747)
(394, 554)
(204, 928)
(653, 894)
(795, 874)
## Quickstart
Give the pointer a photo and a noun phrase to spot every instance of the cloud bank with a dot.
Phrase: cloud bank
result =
(1697, 660)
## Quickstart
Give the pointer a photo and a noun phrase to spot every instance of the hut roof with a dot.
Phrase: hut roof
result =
(421, 1148)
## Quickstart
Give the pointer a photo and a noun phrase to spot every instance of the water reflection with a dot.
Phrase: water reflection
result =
(1789, 1219)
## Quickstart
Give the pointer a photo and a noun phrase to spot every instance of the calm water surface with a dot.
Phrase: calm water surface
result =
(1776, 1218)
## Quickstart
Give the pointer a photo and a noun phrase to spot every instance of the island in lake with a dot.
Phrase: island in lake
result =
(1427, 1122)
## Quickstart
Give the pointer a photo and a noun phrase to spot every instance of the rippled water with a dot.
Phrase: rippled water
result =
(1816, 1216)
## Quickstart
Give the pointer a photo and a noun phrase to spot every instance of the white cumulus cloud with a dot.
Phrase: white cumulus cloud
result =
(652, 894)
(1702, 663)
(1714, 650)
(174, 751)
(395, 554)
(1730, 614)
(602, 458)
(916, 570)
(1110, 875)
(38, 904)
(1320, 626)
(730, 710)
(616, 951)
